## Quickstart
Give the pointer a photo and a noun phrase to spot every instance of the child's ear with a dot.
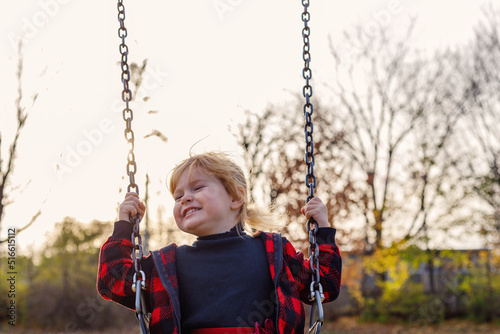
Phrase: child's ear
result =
(237, 202)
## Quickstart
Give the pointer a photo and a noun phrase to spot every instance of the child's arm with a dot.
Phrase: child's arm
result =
(330, 261)
(116, 266)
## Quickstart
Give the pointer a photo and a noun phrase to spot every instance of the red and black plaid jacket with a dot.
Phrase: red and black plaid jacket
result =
(289, 271)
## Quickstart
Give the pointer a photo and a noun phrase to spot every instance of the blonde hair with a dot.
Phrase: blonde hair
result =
(220, 166)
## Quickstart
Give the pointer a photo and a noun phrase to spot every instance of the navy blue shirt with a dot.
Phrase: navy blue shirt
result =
(224, 281)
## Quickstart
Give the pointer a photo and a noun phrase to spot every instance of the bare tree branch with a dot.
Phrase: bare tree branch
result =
(21, 118)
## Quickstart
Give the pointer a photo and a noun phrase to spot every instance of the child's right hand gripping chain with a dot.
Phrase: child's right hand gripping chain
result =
(130, 207)
(317, 210)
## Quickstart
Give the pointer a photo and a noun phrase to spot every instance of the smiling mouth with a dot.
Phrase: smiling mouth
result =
(190, 211)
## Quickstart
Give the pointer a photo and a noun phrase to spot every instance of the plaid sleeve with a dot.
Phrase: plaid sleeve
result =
(330, 264)
(116, 267)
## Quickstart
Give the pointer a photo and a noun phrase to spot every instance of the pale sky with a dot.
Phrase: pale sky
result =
(208, 62)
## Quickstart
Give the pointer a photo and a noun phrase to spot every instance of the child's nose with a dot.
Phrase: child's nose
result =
(188, 197)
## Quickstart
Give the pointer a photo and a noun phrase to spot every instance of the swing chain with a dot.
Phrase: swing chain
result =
(316, 295)
(308, 106)
(128, 114)
(139, 280)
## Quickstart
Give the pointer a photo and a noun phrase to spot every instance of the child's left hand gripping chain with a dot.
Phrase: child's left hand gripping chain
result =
(131, 206)
(317, 210)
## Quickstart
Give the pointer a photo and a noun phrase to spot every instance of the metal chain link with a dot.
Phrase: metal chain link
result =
(312, 227)
(139, 280)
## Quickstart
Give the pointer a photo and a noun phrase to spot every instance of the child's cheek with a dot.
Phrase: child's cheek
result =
(176, 210)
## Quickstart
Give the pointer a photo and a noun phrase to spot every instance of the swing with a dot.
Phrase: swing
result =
(139, 279)
(316, 296)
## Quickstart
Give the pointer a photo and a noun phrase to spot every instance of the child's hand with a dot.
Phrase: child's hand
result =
(317, 210)
(131, 206)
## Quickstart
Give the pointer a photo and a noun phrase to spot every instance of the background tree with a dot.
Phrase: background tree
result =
(275, 160)
(386, 143)
(399, 112)
(481, 72)
(7, 161)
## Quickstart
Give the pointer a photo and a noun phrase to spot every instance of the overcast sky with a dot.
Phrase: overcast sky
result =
(208, 61)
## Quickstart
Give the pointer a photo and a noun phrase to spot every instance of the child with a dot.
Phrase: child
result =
(227, 281)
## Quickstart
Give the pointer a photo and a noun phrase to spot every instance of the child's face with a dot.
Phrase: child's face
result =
(203, 206)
